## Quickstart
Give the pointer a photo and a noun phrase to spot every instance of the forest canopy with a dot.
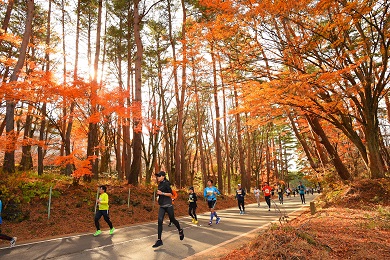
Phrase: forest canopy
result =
(234, 91)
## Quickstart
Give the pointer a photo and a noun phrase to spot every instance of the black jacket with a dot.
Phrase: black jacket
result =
(164, 186)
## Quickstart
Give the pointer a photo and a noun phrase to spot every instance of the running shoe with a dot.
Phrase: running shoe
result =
(13, 241)
(240, 212)
(218, 220)
(181, 234)
(158, 243)
(193, 220)
(112, 231)
(98, 232)
(196, 222)
(210, 223)
(170, 224)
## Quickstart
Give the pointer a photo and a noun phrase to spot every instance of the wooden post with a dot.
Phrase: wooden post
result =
(48, 209)
(312, 207)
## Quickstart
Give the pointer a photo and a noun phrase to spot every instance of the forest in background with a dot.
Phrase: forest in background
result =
(235, 91)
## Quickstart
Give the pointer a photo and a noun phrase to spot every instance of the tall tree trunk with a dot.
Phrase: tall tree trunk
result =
(338, 164)
(183, 172)
(239, 141)
(175, 176)
(247, 184)
(303, 143)
(92, 150)
(26, 162)
(7, 17)
(199, 129)
(218, 153)
(225, 131)
(137, 130)
(267, 156)
(9, 155)
(43, 109)
(64, 74)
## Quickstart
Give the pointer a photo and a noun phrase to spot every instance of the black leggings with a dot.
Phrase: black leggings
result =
(302, 198)
(241, 203)
(98, 215)
(268, 200)
(5, 237)
(192, 212)
(171, 215)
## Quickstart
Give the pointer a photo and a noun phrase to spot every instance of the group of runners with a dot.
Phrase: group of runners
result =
(165, 200)
(166, 197)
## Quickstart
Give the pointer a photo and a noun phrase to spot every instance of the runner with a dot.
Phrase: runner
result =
(174, 196)
(240, 196)
(103, 211)
(301, 189)
(210, 193)
(164, 193)
(257, 196)
(192, 205)
(280, 193)
(12, 240)
(267, 194)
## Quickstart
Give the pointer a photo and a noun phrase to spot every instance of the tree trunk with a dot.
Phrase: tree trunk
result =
(7, 17)
(9, 155)
(137, 130)
(26, 162)
(218, 153)
(92, 150)
(176, 175)
(239, 141)
(338, 164)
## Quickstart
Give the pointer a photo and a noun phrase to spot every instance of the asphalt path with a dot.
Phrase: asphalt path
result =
(135, 242)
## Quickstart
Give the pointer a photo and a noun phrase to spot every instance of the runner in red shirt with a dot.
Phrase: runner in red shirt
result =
(267, 194)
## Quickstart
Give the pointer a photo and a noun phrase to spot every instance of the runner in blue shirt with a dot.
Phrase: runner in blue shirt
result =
(301, 189)
(210, 193)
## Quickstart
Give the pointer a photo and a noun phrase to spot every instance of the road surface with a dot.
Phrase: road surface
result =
(135, 242)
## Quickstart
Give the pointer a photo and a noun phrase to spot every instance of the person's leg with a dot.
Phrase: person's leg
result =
(243, 206)
(107, 218)
(304, 201)
(97, 217)
(268, 200)
(194, 213)
(190, 210)
(301, 195)
(5, 237)
(239, 205)
(258, 201)
(161, 214)
(172, 218)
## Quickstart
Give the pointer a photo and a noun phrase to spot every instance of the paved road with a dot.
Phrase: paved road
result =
(135, 242)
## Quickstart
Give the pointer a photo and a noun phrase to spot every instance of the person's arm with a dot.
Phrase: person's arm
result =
(217, 191)
(204, 193)
(165, 190)
(195, 197)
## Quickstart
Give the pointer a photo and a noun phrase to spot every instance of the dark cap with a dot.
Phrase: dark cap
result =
(162, 173)
(191, 188)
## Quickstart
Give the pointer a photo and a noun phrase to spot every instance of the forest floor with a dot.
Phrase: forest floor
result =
(351, 221)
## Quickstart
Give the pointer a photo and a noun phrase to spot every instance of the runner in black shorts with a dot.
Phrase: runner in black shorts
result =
(210, 193)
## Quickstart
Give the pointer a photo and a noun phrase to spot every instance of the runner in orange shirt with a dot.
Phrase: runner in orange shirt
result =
(267, 194)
